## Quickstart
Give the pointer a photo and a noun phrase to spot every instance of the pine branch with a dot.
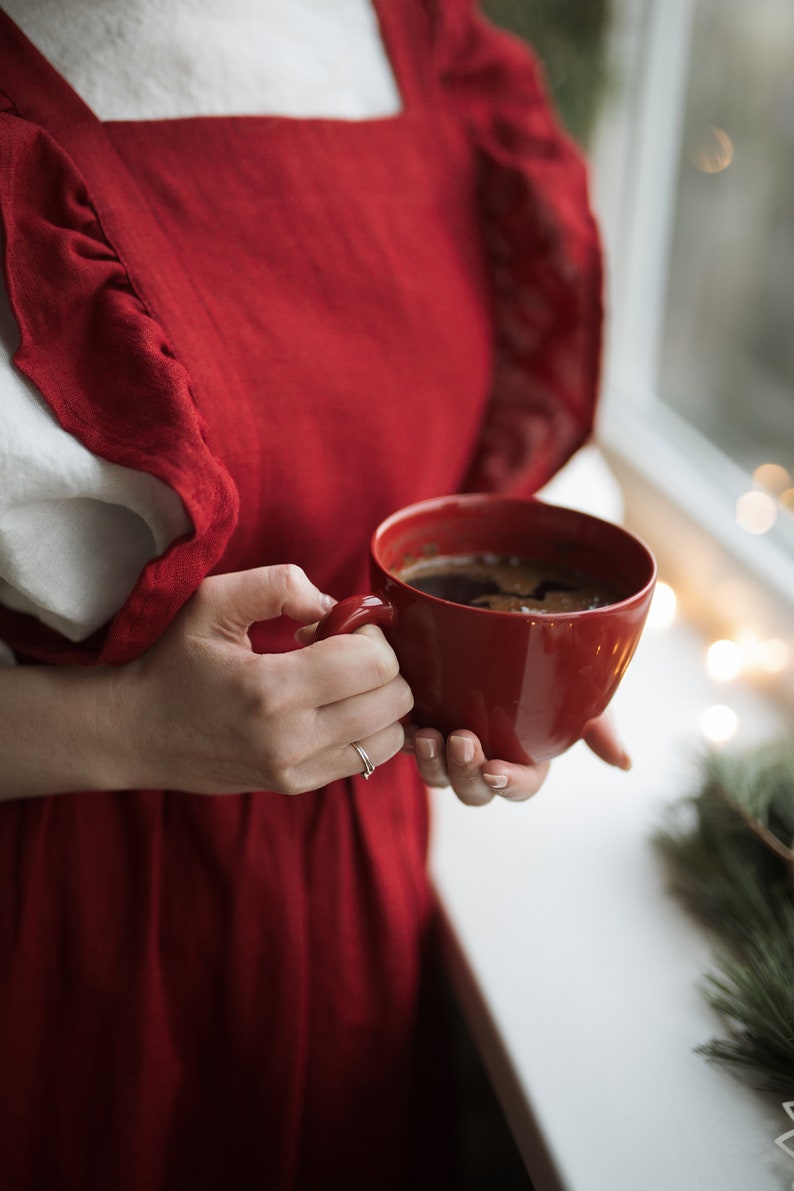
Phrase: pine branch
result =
(731, 863)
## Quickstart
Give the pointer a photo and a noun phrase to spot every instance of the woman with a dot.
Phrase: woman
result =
(288, 270)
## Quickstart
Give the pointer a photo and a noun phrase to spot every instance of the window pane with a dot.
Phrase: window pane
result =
(727, 361)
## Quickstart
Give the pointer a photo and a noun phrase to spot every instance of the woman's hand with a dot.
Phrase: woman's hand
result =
(460, 763)
(200, 711)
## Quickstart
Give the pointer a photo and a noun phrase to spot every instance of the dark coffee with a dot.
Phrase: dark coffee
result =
(509, 584)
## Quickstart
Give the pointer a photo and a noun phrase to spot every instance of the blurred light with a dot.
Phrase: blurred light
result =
(713, 153)
(756, 512)
(663, 606)
(735, 600)
(787, 499)
(752, 647)
(719, 723)
(774, 655)
(748, 654)
(773, 477)
(724, 660)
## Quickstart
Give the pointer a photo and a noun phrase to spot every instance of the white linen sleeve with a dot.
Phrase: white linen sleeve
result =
(75, 530)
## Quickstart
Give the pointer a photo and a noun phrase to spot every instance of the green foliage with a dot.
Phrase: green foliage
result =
(731, 860)
(571, 38)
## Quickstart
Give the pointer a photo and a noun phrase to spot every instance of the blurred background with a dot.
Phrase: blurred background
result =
(686, 111)
(727, 356)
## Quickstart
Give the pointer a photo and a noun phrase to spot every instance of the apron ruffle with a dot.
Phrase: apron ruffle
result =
(106, 369)
(543, 249)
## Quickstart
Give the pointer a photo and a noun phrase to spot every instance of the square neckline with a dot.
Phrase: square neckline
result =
(397, 57)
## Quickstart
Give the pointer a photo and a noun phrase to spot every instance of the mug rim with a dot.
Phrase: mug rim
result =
(459, 500)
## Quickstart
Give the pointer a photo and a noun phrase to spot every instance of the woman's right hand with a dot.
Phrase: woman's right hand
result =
(201, 712)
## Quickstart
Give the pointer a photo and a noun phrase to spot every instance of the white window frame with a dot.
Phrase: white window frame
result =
(680, 489)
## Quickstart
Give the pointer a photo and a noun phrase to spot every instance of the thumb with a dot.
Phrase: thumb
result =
(232, 603)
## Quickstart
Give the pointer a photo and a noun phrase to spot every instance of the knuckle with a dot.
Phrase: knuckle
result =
(385, 665)
(272, 733)
(405, 697)
(289, 784)
(379, 655)
(289, 576)
(267, 695)
(284, 753)
(282, 766)
(261, 705)
(395, 739)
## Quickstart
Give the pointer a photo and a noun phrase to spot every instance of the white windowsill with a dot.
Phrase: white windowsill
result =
(575, 968)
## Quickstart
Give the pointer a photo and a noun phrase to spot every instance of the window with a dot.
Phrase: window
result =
(687, 110)
(693, 169)
(727, 352)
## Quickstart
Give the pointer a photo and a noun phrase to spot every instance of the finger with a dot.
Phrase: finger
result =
(431, 759)
(232, 603)
(341, 667)
(344, 761)
(600, 736)
(516, 783)
(306, 633)
(380, 747)
(465, 760)
(359, 716)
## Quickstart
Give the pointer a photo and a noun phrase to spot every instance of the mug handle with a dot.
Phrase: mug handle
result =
(352, 613)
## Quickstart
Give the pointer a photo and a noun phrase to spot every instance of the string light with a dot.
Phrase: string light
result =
(756, 512)
(773, 490)
(775, 655)
(714, 152)
(719, 723)
(748, 654)
(772, 477)
(724, 660)
(663, 607)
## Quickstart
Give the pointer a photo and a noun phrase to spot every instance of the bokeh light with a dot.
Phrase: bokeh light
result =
(724, 660)
(719, 723)
(774, 655)
(663, 607)
(756, 512)
(713, 152)
(772, 477)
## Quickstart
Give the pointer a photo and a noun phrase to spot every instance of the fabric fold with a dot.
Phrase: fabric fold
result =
(105, 368)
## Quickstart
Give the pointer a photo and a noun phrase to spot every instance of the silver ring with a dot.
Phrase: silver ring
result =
(369, 768)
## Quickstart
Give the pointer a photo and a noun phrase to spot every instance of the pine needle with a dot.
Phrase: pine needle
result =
(731, 862)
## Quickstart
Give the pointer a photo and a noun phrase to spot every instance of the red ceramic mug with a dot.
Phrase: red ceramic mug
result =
(525, 683)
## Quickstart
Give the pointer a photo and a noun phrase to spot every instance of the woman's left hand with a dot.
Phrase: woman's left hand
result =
(461, 763)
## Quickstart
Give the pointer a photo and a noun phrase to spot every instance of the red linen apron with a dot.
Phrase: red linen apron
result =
(290, 322)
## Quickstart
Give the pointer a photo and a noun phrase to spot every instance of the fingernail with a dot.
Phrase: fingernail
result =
(425, 749)
(328, 602)
(461, 750)
(497, 781)
(624, 761)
